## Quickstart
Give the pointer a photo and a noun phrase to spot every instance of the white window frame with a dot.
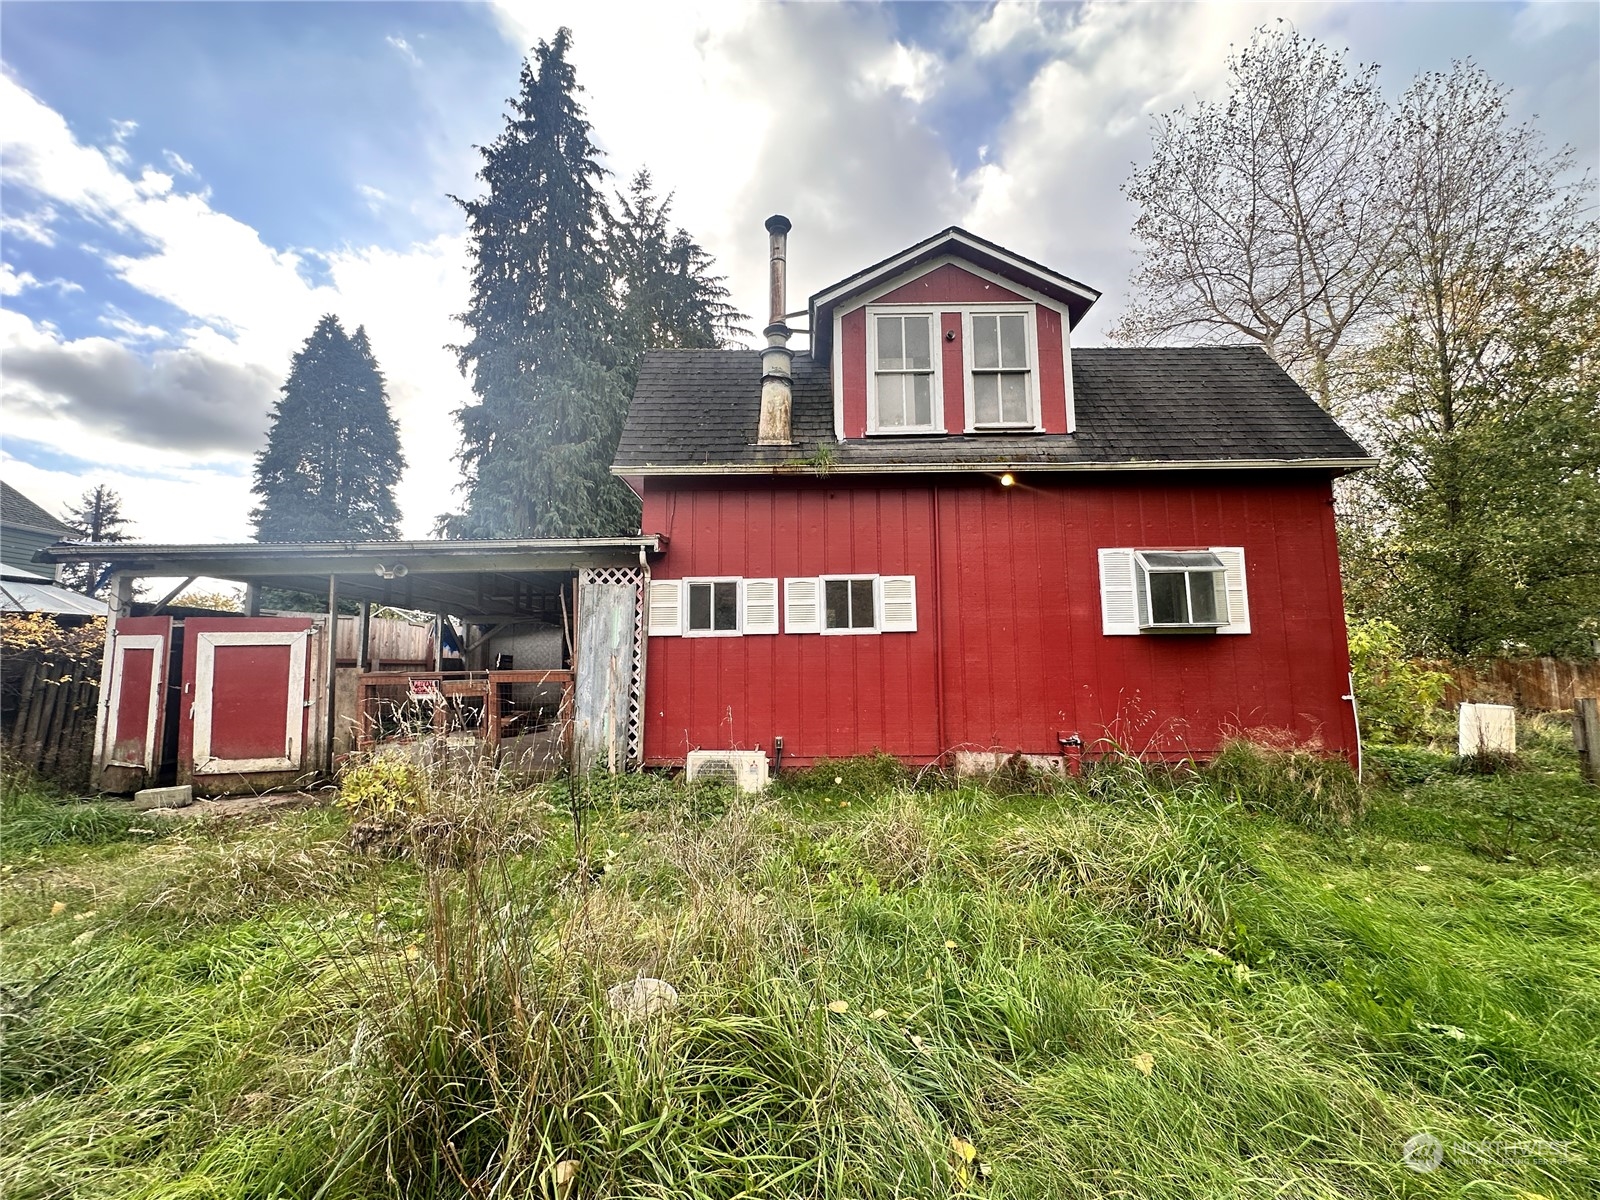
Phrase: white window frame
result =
(738, 606)
(1030, 329)
(822, 606)
(1119, 592)
(1219, 592)
(936, 342)
(204, 688)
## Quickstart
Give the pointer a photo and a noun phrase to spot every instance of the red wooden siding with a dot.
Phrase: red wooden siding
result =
(1008, 652)
(1052, 372)
(948, 284)
(853, 371)
(955, 394)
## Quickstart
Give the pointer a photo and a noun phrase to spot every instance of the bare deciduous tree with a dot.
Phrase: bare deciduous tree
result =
(1268, 216)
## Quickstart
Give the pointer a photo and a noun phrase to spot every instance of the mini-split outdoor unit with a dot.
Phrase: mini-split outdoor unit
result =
(745, 769)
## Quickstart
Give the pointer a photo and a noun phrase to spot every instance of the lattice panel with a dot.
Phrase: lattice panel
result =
(632, 577)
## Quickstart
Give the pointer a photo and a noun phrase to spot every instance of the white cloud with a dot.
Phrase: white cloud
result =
(249, 306)
(180, 164)
(32, 226)
(404, 47)
(14, 282)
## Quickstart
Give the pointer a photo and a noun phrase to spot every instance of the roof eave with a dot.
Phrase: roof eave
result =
(1341, 465)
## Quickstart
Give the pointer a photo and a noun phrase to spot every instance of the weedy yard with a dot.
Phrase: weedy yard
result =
(1254, 981)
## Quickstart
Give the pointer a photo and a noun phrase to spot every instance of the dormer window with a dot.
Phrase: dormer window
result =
(1000, 363)
(904, 379)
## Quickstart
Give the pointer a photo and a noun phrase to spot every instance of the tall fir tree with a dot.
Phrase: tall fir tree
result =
(540, 357)
(666, 292)
(97, 517)
(333, 456)
(565, 296)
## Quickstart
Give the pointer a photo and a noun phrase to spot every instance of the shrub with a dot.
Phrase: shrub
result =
(1395, 694)
(382, 787)
(1292, 783)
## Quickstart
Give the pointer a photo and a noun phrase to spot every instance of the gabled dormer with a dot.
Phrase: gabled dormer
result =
(953, 336)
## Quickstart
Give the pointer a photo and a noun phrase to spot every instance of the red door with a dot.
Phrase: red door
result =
(246, 680)
(130, 747)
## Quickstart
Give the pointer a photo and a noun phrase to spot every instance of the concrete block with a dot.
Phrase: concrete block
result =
(167, 797)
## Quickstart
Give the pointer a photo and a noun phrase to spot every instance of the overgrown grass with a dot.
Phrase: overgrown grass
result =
(1254, 981)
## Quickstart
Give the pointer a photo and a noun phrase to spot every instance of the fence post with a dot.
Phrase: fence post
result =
(1586, 736)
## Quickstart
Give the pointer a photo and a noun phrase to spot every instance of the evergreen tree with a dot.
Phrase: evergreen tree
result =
(333, 453)
(565, 296)
(540, 357)
(97, 517)
(668, 296)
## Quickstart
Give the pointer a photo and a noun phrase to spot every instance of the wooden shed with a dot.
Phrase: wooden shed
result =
(536, 648)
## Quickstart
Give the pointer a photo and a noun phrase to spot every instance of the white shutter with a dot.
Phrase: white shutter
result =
(1119, 612)
(802, 606)
(1238, 595)
(897, 604)
(759, 599)
(666, 608)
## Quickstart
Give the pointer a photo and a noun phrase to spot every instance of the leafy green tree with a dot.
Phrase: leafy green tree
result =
(565, 296)
(332, 457)
(97, 517)
(1482, 525)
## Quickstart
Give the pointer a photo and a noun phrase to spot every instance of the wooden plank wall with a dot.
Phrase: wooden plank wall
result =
(1533, 684)
(51, 728)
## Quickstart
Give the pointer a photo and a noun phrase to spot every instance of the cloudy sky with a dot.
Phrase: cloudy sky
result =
(187, 187)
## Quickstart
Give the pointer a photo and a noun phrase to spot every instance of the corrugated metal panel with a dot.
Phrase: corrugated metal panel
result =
(1009, 650)
(18, 595)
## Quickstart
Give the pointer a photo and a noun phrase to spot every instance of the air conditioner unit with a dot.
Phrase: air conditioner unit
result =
(745, 769)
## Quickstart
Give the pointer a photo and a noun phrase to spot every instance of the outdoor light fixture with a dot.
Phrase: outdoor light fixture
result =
(398, 571)
(1008, 480)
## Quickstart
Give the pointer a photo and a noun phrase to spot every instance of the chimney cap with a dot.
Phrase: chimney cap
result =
(778, 223)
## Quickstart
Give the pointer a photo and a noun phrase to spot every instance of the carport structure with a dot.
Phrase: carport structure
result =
(554, 650)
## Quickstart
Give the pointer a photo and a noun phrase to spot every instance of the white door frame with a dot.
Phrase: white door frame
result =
(294, 716)
(155, 643)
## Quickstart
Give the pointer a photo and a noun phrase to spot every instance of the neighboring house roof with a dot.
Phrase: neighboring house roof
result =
(1215, 406)
(25, 591)
(1074, 296)
(17, 511)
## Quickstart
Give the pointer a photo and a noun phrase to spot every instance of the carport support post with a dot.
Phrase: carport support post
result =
(364, 650)
(330, 659)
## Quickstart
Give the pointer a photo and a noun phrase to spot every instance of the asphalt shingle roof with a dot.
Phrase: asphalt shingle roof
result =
(16, 509)
(700, 408)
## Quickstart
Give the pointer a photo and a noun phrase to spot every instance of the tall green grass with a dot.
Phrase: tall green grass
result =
(1243, 982)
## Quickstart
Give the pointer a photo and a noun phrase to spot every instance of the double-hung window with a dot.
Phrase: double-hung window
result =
(1002, 371)
(713, 606)
(903, 373)
(849, 605)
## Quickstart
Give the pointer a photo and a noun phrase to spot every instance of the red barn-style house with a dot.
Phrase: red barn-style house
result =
(947, 534)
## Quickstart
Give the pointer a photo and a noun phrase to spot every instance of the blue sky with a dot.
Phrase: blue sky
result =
(188, 186)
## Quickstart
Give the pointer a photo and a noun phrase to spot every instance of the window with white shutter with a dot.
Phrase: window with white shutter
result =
(1238, 594)
(1173, 591)
(802, 605)
(666, 608)
(897, 603)
(1119, 609)
(760, 603)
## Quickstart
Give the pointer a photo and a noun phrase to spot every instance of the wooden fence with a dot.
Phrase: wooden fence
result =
(50, 706)
(1533, 684)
